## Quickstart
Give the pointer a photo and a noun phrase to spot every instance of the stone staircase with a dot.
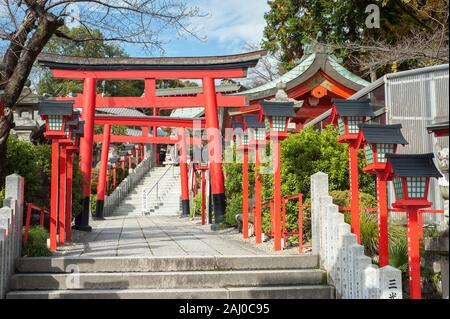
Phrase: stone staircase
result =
(188, 277)
(169, 193)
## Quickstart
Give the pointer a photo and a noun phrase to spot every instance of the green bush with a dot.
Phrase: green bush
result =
(233, 190)
(36, 245)
(2, 196)
(234, 207)
(33, 162)
(311, 151)
(93, 204)
(196, 209)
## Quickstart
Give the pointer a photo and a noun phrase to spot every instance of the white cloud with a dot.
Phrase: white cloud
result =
(232, 22)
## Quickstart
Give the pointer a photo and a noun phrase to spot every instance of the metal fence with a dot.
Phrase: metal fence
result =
(129, 183)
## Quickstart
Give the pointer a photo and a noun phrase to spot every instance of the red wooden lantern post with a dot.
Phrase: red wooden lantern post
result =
(378, 140)
(128, 152)
(71, 150)
(203, 167)
(101, 186)
(56, 114)
(184, 176)
(349, 114)
(258, 141)
(277, 114)
(411, 179)
(122, 164)
(137, 158)
(243, 145)
(113, 162)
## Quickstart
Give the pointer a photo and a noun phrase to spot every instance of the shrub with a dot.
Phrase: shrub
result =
(33, 162)
(196, 209)
(36, 245)
(234, 207)
(93, 204)
(2, 196)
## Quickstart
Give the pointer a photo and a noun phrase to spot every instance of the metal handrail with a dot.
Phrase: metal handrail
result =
(146, 193)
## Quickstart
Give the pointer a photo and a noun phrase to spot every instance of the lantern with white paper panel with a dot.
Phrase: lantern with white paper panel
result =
(410, 175)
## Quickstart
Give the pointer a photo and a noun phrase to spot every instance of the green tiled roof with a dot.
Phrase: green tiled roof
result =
(316, 58)
(346, 73)
(304, 65)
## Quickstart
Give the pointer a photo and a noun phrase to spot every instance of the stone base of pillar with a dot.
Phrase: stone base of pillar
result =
(99, 210)
(82, 221)
(219, 204)
(185, 208)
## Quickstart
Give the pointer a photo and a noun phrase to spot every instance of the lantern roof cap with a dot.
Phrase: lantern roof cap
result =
(383, 134)
(437, 126)
(413, 165)
(252, 121)
(80, 130)
(123, 153)
(353, 107)
(236, 124)
(54, 107)
(129, 147)
(113, 160)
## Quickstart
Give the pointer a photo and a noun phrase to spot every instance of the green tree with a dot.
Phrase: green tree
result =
(292, 23)
(95, 49)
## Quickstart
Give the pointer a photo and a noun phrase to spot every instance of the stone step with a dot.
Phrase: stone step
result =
(157, 264)
(277, 292)
(169, 280)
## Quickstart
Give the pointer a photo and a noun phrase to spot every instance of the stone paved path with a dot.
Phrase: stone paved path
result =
(154, 236)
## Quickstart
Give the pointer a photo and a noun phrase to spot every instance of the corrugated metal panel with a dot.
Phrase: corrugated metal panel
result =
(415, 100)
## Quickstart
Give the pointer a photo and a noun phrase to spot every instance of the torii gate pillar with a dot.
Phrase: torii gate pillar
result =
(214, 137)
(184, 176)
(86, 148)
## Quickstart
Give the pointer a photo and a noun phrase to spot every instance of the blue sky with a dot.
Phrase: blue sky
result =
(230, 24)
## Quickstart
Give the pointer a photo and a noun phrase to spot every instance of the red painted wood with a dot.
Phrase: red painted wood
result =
(277, 195)
(184, 166)
(258, 197)
(114, 177)
(152, 102)
(245, 195)
(27, 222)
(159, 121)
(213, 136)
(62, 195)
(101, 186)
(414, 254)
(69, 196)
(383, 225)
(86, 142)
(146, 74)
(203, 197)
(54, 194)
(354, 191)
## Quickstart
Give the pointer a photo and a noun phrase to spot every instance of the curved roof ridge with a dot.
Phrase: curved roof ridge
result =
(309, 64)
(346, 73)
(305, 63)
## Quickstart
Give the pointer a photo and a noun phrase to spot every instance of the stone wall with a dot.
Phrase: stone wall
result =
(11, 221)
(349, 269)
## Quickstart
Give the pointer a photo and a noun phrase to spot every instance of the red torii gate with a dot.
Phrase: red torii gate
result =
(108, 120)
(207, 69)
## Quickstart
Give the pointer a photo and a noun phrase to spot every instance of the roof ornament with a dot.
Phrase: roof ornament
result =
(282, 97)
